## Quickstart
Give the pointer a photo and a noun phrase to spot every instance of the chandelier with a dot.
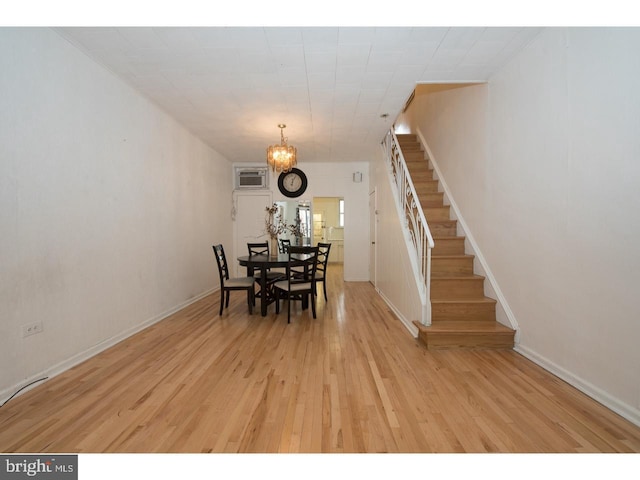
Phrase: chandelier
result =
(281, 158)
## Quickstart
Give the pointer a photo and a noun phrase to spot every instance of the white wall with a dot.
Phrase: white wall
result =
(395, 280)
(543, 164)
(109, 208)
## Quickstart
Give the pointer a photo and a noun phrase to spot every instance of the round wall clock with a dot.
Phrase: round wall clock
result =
(292, 183)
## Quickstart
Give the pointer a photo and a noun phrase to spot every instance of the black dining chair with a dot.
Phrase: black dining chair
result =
(262, 248)
(323, 262)
(294, 287)
(284, 245)
(228, 284)
(258, 248)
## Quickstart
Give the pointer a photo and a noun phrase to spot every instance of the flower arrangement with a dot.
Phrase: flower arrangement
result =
(273, 222)
(297, 229)
(274, 226)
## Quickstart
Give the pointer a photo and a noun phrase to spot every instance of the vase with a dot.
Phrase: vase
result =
(273, 247)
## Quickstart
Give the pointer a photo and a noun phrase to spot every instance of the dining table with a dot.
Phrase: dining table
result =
(264, 263)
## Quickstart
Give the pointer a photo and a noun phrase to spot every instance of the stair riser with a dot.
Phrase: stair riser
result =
(422, 176)
(419, 167)
(440, 213)
(409, 146)
(451, 265)
(467, 341)
(456, 288)
(418, 163)
(431, 200)
(463, 312)
(448, 246)
(447, 229)
(425, 186)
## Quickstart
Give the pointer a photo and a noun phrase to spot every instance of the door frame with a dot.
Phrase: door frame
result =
(373, 235)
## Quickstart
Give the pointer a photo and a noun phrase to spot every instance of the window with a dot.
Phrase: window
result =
(341, 213)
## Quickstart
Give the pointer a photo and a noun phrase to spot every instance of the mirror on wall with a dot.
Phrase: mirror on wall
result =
(297, 214)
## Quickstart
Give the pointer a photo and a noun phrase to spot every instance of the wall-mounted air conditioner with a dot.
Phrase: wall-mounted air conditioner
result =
(251, 178)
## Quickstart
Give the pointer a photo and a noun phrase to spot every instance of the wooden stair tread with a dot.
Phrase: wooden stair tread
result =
(469, 327)
(452, 256)
(437, 238)
(423, 181)
(468, 301)
(456, 276)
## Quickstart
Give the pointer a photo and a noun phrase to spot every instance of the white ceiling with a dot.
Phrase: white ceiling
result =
(232, 86)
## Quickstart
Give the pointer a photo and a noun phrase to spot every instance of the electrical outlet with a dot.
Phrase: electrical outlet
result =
(32, 329)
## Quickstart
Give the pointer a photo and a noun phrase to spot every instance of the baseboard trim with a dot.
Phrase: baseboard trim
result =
(624, 410)
(77, 359)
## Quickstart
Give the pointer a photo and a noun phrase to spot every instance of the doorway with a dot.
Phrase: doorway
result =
(373, 234)
(328, 225)
(296, 214)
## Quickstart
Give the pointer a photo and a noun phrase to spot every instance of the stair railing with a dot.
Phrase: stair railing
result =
(417, 234)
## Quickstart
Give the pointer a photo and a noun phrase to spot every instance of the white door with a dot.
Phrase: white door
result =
(249, 223)
(373, 234)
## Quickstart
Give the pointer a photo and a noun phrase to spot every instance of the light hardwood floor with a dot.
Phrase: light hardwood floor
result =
(353, 380)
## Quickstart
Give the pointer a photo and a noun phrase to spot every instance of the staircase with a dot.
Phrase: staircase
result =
(461, 316)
